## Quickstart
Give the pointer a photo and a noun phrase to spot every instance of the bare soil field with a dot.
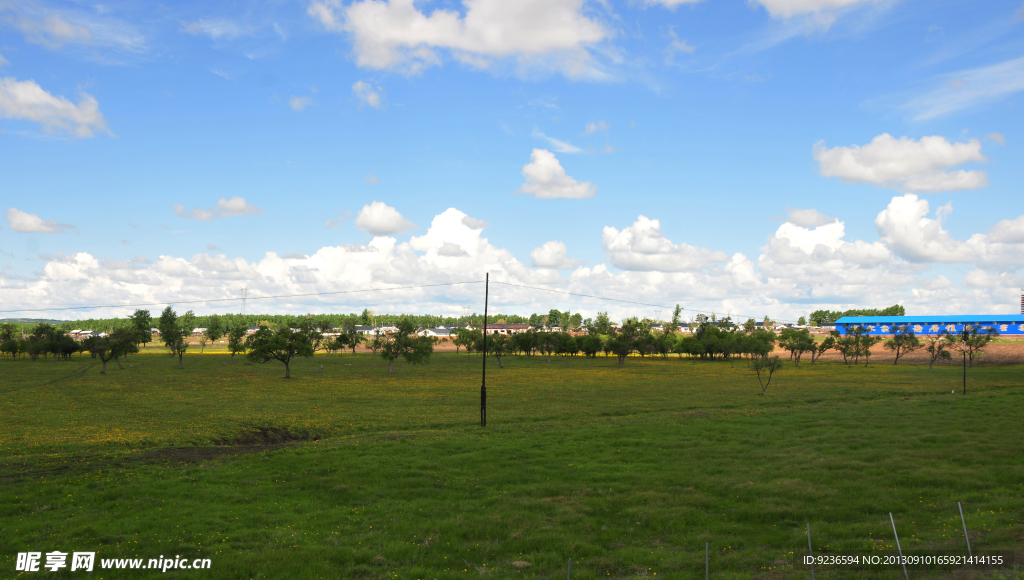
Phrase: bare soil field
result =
(997, 353)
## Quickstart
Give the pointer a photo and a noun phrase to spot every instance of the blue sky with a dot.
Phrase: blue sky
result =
(762, 157)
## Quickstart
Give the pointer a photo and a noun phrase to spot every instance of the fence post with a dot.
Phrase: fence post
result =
(810, 552)
(568, 575)
(966, 537)
(898, 548)
(707, 562)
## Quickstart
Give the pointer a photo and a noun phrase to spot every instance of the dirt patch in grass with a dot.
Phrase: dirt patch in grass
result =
(997, 353)
(199, 454)
(260, 435)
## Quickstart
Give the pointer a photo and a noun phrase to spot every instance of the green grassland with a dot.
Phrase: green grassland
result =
(354, 473)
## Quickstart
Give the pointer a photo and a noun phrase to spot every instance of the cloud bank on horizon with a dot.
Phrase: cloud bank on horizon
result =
(800, 266)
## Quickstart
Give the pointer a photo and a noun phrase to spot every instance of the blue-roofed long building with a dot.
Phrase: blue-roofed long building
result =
(1005, 324)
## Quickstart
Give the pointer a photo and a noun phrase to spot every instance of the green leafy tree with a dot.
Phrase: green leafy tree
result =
(142, 322)
(463, 339)
(937, 348)
(547, 342)
(214, 327)
(866, 342)
(797, 342)
(44, 337)
(824, 317)
(9, 331)
(677, 317)
(801, 321)
(623, 342)
(498, 345)
(822, 347)
(124, 341)
(590, 345)
(310, 326)
(903, 342)
(574, 322)
(13, 346)
(525, 342)
(970, 342)
(35, 346)
(603, 324)
(554, 317)
(766, 367)
(236, 340)
(281, 345)
(405, 344)
(111, 347)
(101, 348)
(348, 334)
(761, 343)
(175, 331)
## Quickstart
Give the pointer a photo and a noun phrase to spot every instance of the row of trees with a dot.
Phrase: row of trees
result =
(284, 343)
(320, 321)
(709, 340)
(723, 340)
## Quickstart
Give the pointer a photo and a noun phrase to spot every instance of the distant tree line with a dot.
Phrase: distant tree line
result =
(709, 339)
(825, 317)
(323, 321)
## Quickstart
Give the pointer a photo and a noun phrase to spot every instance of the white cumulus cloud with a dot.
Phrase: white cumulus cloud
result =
(225, 208)
(395, 34)
(799, 269)
(643, 247)
(475, 224)
(380, 219)
(552, 255)
(906, 227)
(1008, 231)
(924, 165)
(546, 179)
(21, 221)
(806, 217)
(367, 93)
(26, 100)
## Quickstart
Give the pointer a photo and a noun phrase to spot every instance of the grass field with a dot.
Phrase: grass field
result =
(352, 473)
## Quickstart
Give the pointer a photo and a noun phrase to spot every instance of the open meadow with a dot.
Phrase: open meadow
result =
(348, 472)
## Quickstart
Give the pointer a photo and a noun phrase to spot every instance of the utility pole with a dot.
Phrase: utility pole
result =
(483, 384)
